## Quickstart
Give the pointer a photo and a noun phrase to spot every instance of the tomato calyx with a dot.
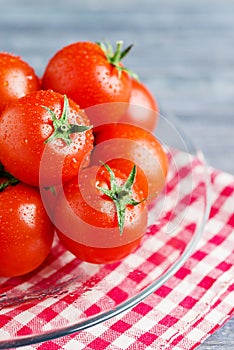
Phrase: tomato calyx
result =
(9, 180)
(121, 195)
(62, 128)
(116, 57)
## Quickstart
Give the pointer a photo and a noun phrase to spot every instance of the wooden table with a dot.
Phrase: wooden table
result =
(184, 52)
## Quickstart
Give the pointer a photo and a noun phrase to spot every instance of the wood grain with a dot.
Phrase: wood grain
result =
(184, 52)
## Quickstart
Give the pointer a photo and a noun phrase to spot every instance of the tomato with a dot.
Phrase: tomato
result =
(44, 137)
(143, 109)
(98, 227)
(26, 232)
(17, 79)
(90, 74)
(95, 255)
(129, 144)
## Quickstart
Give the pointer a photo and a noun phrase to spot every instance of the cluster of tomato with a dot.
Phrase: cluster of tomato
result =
(77, 157)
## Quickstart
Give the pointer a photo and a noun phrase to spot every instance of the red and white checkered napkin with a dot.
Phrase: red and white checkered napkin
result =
(190, 306)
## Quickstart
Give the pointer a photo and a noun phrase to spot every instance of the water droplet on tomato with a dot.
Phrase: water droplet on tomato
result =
(74, 163)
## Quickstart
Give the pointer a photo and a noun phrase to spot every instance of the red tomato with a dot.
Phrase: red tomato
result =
(129, 144)
(17, 79)
(143, 108)
(26, 233)
(43, 138)
(90, 74)
(87, 220)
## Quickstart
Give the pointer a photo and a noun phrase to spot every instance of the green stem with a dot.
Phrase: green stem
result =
(118, 53)
(10, 180)
(116, 57)
(62, 128)
(121, 195)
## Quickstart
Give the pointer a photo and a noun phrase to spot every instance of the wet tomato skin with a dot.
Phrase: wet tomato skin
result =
(86, 220)
(25, 126)
(82, 71)
(26, 232)
(128, 144)
(17, 79)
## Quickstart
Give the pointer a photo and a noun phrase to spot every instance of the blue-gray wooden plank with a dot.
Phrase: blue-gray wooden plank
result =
(184, 52)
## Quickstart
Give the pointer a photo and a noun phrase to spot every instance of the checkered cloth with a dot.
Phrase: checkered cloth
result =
(180, 314)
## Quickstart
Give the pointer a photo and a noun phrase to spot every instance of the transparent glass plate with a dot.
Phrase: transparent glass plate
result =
(66, 295)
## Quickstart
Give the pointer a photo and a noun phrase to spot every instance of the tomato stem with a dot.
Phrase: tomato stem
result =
(62, 128)
(116, 57)
(121, 195)
(10, 180)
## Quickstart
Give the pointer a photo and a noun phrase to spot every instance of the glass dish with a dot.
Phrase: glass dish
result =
(66, 295)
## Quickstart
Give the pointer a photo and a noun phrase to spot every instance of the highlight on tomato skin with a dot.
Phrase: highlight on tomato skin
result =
(86, 219)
